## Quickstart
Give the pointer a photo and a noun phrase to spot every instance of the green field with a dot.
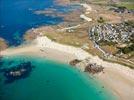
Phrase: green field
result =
(128, 5)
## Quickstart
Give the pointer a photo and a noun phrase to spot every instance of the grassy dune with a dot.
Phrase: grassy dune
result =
(126, 3)
(129, 5)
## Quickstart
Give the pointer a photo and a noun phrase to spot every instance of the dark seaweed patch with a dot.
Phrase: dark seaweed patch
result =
(20, 71)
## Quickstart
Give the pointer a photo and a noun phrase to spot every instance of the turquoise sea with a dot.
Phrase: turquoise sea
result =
(50, 80)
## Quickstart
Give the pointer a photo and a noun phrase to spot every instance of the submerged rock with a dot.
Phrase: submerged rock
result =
(17, 72)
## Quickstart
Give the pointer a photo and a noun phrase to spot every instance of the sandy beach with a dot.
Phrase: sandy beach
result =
(32, 50)
(118, 78)
(42, 46)
(121, 85)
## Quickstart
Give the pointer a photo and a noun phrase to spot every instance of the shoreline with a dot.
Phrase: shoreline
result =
(42, 46)
(117, 78)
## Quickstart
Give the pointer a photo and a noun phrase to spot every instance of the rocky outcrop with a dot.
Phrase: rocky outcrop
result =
(88, 66)
(94, 68)
(74, 62)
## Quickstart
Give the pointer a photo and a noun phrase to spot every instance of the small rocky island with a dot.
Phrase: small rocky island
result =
(20, 71)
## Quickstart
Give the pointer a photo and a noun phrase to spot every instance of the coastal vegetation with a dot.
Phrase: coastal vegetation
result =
(127, 49)
(101, 20)
(105, 42)
(128, 4)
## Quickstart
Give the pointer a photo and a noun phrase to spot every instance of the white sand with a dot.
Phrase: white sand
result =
(85, 18)
(44, 42)
(88, 8)
(116, 77)
(123, 69)
(121, 84)
(47, 48)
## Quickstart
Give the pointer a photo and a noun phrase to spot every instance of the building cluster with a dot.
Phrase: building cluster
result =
(117, 33)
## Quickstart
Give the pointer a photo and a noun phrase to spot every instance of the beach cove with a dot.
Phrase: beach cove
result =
(55, 79)
(112, 72)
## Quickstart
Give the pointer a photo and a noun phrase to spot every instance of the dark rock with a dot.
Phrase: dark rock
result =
(74, 62)
(20, 71)
(93, 68)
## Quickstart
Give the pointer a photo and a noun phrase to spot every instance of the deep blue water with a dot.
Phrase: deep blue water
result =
(50, 80)
(17, 16)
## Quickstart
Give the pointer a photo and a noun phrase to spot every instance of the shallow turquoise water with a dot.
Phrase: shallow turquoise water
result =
(50, 80)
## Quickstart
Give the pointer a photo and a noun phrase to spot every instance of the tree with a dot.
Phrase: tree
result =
(101, 20)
